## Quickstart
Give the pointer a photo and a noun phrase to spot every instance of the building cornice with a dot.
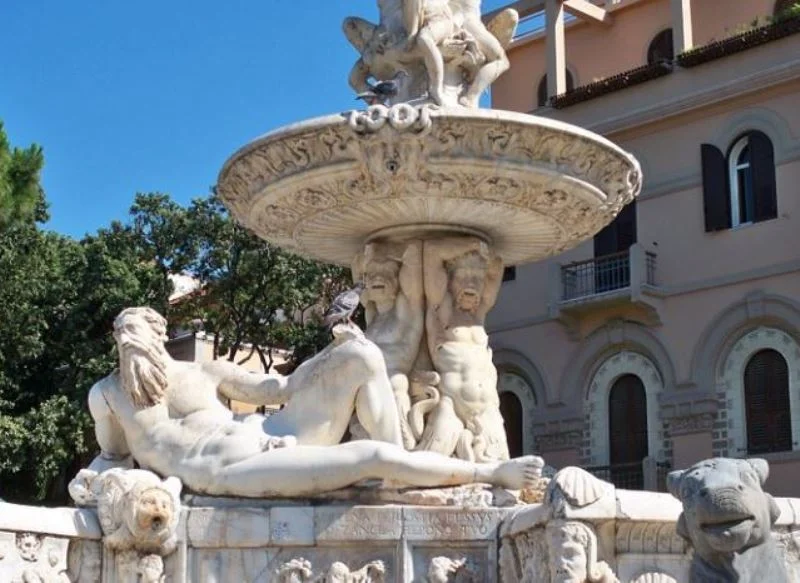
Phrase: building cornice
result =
(754, 83)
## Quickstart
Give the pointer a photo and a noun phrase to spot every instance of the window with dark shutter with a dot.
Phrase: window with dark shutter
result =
(762, 165)
(661, 48)
(766, 395)
(511, 410)
(613, 272)
(716, 196)
(541, 92)
(627, 425)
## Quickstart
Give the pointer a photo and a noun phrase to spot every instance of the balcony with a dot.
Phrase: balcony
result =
(625, 283)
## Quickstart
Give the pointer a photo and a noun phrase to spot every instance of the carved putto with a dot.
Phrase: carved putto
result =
(449, 55)
(39, 559)
(29, 546)
(302, 571)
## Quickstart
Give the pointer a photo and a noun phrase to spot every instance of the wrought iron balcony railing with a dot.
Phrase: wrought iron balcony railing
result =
(645, 475)
(607, 273)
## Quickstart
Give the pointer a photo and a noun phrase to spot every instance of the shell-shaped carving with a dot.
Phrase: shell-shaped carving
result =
(578, 487)
(655, 578)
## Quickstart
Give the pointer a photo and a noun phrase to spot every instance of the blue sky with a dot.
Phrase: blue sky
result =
(150, 95)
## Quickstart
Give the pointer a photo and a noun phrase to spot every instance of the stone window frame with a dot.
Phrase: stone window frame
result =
(735, 166)
(611, 369)
(732, 378)
(514, 382)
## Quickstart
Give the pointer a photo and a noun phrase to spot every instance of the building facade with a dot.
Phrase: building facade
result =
(673, 335)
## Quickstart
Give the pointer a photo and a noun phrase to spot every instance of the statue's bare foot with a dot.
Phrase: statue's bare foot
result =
(519, 473)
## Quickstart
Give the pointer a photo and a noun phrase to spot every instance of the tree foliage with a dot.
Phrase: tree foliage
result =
(253, 296)
(20, 191)
(59, 297)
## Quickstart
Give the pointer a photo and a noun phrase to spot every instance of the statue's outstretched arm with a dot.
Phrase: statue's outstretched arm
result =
(436, 253)
(239, 384)
(411, 274)
(494, 279)
(358, 270)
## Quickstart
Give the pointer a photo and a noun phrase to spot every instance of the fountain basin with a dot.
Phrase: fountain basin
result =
(530, 186)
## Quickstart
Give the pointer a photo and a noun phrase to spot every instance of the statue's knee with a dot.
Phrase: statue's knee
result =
(383, 456)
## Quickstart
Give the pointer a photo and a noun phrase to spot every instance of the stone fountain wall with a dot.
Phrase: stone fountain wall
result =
(624, 535)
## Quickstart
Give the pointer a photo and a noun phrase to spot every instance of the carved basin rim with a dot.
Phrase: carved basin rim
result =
(531, 186)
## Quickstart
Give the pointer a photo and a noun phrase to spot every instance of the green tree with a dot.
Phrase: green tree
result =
(254, 296)
(42, 425)
(20, 191)
(160, 228)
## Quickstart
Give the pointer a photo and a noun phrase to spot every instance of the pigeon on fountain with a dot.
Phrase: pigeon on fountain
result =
(383, 91)
(344, 306)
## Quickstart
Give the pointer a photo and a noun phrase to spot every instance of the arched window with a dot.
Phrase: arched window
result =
(627, 426)
(741, 181)
(741, 188)
(661, 48)
(517, 404)
(542, 97)
(511, 410)
(767, 408)
(751, 175)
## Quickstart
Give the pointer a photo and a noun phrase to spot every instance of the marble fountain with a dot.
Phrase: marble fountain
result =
(426, 197)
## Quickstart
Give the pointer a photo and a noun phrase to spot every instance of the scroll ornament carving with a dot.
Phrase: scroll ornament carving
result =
(447, 570)
(302, 571)
(401, 117)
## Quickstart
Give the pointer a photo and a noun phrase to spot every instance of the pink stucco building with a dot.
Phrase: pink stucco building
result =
(674, 335)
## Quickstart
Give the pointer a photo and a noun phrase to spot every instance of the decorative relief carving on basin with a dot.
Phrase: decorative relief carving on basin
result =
(534, 187)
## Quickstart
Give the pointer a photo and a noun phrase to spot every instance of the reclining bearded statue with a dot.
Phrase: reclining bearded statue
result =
(166, 415)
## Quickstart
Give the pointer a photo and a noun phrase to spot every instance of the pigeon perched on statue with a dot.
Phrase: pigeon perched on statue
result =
(343, 307)
(383, 91)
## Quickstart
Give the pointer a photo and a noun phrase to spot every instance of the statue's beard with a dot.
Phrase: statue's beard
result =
(143, 372)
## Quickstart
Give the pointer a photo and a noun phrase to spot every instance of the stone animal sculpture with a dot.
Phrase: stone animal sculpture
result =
(138, 511)
(728, 519)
